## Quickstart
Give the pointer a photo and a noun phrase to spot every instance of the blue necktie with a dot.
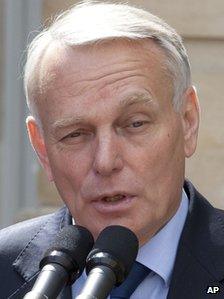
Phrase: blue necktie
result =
(137, 274)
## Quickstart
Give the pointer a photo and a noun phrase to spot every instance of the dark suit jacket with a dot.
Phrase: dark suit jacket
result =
(199, 262)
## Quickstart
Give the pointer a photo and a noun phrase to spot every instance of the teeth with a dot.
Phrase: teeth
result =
(113, 198)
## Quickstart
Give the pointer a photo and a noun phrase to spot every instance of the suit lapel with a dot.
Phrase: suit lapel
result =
(66, 293)
(200, 257)
(27, 262)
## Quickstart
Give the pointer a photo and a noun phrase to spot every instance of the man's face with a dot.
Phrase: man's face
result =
(112, 142)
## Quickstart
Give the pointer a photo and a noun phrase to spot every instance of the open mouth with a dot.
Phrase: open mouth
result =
(114, 203)
(115, 198)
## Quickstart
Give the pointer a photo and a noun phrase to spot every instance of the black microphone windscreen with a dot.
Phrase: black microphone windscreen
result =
(119, 242)
(74, 240)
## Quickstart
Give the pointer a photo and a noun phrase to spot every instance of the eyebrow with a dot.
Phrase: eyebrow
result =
(62, 123)
(136, 98)
(133, 99)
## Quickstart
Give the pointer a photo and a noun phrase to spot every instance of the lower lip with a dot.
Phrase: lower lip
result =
(114, 206)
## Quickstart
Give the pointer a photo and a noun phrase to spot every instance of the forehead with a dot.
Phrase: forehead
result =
(102, 69)
(58, 60)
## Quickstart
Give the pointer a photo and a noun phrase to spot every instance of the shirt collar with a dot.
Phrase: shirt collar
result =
(159, 253)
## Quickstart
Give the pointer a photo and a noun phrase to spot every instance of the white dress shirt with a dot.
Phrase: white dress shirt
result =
(158, 254)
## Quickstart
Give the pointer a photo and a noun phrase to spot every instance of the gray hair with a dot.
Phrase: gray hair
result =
(91, 22)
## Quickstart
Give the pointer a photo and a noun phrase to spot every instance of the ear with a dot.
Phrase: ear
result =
(190, 118)
(37, 141)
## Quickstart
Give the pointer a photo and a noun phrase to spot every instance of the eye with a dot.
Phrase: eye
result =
(137, 124)
(76, 136)
(72, 135)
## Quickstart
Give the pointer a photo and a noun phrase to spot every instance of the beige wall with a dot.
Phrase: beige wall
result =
(201, 23)
(206, 167)
(1, 67)
(1, 87)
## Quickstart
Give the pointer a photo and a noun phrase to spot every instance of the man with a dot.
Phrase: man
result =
(113, 117)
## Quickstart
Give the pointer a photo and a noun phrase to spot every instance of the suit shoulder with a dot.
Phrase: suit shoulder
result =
(14, 237)
(219, 214)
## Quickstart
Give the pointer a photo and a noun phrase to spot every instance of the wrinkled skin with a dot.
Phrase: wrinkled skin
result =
(109, 127)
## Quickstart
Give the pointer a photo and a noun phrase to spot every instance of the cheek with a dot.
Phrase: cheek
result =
(160, 159)
(69, 169)
(153, 154)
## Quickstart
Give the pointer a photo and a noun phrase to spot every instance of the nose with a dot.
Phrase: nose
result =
(107, 156)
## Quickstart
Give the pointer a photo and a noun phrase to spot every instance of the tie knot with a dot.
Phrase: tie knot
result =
(137, 274)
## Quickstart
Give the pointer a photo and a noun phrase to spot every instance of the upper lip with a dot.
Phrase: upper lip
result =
(111, 194)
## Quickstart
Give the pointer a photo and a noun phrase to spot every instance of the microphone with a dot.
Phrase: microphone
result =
(63, 263)
(109, 262)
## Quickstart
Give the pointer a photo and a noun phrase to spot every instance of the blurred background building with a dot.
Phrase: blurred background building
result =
(24, 189)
